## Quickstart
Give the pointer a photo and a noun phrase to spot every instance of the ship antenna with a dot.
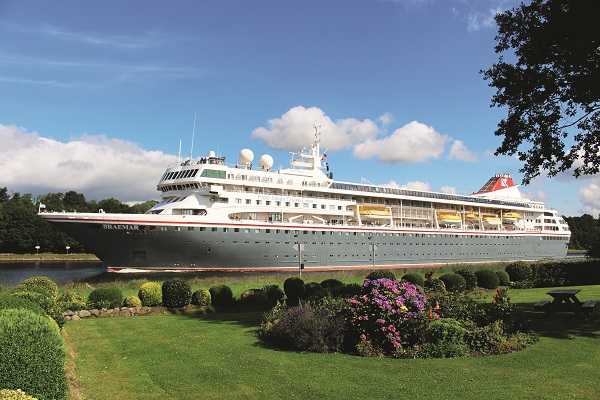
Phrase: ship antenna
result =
(193, 134)
(179, 153)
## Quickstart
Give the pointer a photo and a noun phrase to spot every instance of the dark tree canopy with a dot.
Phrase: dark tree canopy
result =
(552, 89)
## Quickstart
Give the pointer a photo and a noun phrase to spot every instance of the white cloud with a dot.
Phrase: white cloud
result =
(416, 185)
(459, 151)
(414, 142)
(590, 198)
(478, 20)
(386, 119)
(95, 166)
(294, 130)
(448, 189)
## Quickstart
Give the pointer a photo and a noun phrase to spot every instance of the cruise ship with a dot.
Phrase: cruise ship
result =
(239, 217)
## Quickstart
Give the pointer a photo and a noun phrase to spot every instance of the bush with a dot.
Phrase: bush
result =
(554, 273)
(9, 394)
(132, 301)
(274, 294)
(7, 301)
(330, 284)
(504, 278)
(519, 271)
(294, 289)
(434, 285)
(42, 298)
(454, 282)
(176, 293)
(71, 300)
(347, 290)
(487, 279)
(150, 294)
(105, 297)
(33, 354)
(460, 307)
(42, 282)
(254, 297)
(221, 295)
(314, 291)
(201, 297)
(415, 279)
(470, 278)
(381, 273)
(304, 328)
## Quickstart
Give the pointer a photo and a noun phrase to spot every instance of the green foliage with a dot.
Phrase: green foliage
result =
(201, 297)
(453, 282)
(150, 294)
(8, 301)
(381, 273)
(33, 354)
(71, 300)
(487, 279)
(176, 293)
(294, 289)
(415, 279)
(274, 293)
(461, 307)
(519, 271)
(470, 278)
(551, 273)
(42, 282)
(434, 285)
(42, 298)
(105, 297)
(221, 295)
(254, 297)
(550, 91)
(314, 291)
(503, 277)
(132, 301)
(18, 394)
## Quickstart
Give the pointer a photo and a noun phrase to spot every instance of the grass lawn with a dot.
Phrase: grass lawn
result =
(219, 356)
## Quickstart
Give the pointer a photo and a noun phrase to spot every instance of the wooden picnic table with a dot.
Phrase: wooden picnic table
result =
(565, 300)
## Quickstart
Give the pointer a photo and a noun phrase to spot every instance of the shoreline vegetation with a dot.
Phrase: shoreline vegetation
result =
(48, 257)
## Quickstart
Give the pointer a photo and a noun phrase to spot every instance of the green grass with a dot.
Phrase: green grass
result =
(219, 356)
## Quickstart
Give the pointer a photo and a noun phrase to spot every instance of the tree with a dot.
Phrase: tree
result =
(552, 91)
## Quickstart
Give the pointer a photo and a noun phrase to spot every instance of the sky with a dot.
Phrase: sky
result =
(96, 97)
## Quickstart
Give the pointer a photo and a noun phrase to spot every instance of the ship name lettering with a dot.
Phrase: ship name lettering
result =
(121, 226)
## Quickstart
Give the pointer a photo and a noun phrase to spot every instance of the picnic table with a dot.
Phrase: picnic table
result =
(565, 300)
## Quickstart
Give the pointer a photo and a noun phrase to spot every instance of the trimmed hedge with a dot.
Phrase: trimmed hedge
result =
(7, 301)
(105, 297)
(415, 279)
(381, 273)
(470, 278)
(519, 271)
(176, 293)
(33, 354)
(221, 295)
(42, 298)
(454, 282)
(150, 294)
(294, 289)
(201, 297)
(71, 300)
(42, 282)
(132, 301)
(487, 279)
(274, 293)
(315, 291)
(504, 277)
(254, 297)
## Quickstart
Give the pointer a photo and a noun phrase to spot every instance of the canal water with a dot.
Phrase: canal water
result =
(61, 272)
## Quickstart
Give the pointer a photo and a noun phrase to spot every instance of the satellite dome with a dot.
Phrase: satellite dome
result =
(246, 156)
(211, 153)
(265, 161)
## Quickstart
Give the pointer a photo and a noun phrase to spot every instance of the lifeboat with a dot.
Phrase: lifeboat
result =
(492, 220)
(472, 216)
(448, 217)
(511, 217)
(374, 212)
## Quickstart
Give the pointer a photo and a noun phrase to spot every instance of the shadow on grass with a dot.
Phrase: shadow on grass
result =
(562, 325)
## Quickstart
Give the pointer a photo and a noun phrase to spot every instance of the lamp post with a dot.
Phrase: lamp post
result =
(67, 247)
(299, 247)
(374, 247)
(37, 250)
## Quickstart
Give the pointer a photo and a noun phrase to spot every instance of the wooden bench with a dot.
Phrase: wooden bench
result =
(541, 305)
(588, 306)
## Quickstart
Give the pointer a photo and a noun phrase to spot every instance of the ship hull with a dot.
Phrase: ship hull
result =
(130, 241)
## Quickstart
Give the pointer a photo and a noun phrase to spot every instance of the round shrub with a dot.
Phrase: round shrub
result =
(347, 290)
(470, 278)
(176, 293)
(221, 295)
(132, 301)
(254, 297)
(8, 301)
(33, 354)
(381, 273)
(105, 297)
(42, 282)
(9, 394)
(201, 297)
(42, 298)
(294, 288)
(434, 285)
(274, 293)
(331, 283)
(315, 291)
(503, 277)
(71, 300)
(454, 282)
(415, 279)
(487, 279)
(519, 271)
(150, 294)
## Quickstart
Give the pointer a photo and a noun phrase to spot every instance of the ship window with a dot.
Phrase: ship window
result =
(177, 228)
(214, 229)
(225, 229)
(211, 173)
(190, 228)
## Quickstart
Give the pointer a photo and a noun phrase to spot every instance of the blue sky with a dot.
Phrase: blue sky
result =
(95, 97)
